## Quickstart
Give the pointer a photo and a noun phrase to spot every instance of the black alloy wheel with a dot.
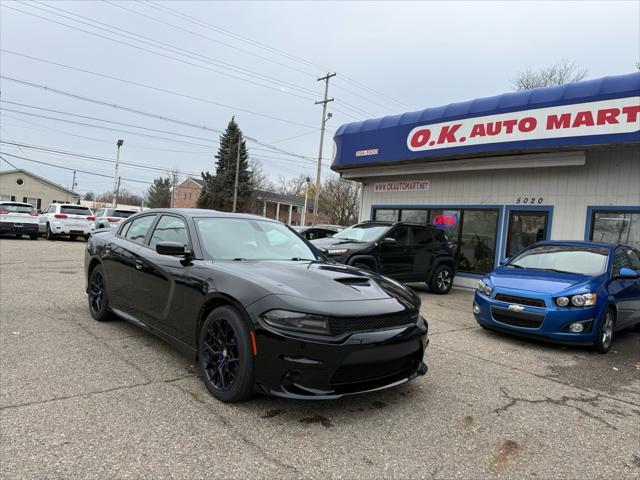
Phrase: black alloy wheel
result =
(97, 295)
(441, 280)
(50, 235)
(225, 355)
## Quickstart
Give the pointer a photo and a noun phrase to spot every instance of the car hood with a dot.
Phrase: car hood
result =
(538, 281)
(331, 242)
(316, 281)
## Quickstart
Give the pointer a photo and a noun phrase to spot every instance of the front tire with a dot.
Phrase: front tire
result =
(225, 355)
(441, 280)
(97, 295)
(604, 336)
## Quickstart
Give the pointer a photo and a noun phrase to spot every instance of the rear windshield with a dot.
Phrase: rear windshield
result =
(75, 210)
(564, 259)
(16, 208)
(122, 213)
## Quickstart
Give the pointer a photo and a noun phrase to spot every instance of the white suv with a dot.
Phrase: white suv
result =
(67, 219)
(111, 217)
(19, 218)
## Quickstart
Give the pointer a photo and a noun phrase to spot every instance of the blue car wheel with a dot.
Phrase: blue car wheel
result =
(604, 336)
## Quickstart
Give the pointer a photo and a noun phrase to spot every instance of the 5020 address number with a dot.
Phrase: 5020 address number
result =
(529, 200)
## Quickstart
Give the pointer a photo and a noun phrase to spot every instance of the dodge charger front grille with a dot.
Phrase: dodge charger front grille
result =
(342, 325)
(517, 319)
(530, 302)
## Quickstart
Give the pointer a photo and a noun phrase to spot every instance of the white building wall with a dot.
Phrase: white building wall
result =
(610, 177)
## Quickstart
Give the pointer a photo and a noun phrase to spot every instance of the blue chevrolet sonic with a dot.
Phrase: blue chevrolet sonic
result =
(567, 292)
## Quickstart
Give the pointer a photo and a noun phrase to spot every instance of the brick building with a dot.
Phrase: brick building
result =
(186, 194)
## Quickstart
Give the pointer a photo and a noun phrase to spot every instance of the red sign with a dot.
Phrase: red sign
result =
(445, 221)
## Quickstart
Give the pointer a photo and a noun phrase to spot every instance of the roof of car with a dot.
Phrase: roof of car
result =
(4, 202)
(579, 243)
(203, 213)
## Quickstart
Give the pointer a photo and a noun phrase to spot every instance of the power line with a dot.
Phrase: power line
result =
(119, 130)
(154, 52)
(141, 112)
(158, 89)
(273, 50)
(65, 168)
(43, 128)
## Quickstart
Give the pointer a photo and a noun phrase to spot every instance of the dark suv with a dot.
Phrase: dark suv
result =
(404, 251)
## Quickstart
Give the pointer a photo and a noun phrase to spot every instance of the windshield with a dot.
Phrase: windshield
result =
(563, 258)
(75, 210)
(243, 239)
(16, 207)
(363, 233)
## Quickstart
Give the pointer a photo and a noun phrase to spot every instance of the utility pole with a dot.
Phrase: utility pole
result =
(235, 185)
(306, 196)
(116, 179)
(325, 117)
(73, 183)
(173, 190)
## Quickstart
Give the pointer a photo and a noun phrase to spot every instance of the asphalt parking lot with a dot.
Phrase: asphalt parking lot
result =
(84, 399)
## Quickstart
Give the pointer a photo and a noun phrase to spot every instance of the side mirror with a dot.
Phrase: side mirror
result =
(628, 273)
(389, 241)
(504, 261)
(172, 248)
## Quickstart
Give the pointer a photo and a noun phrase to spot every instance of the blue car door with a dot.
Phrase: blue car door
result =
(626, 291)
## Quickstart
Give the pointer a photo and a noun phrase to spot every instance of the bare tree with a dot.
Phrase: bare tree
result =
(125, 197)
(558, 74)
(341, 199)
(292, 186)
(259, 178)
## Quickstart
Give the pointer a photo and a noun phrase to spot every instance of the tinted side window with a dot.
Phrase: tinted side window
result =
(422, 236)
(621, 260)
(169, 229)
(401, 234)
(138, 229)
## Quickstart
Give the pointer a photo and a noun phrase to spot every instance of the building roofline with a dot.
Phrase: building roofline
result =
(44, 180)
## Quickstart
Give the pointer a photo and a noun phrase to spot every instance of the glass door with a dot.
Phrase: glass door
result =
(525, 227)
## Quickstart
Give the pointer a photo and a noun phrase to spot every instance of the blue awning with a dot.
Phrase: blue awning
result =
(593, 112)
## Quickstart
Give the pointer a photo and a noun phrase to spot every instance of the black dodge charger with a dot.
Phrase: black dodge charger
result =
(258, 306)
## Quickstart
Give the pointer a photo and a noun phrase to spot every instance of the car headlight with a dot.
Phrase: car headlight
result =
(337, 251)
(581, 300)
(297, 321)
(484, 288)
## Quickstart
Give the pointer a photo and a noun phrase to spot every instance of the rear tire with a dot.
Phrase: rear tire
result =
(50, 235)
(636, 327)
(225, 355)
(33, 236)
(604, 336)
(97, 295)
(441, 280)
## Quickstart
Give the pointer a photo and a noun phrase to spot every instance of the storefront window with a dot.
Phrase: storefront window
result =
(525, 228)
(477, 248)
(415, 216)
(616, 227)
(473, 233)
(386, 215)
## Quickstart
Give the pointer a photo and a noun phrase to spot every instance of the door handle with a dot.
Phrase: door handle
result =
(139, 264)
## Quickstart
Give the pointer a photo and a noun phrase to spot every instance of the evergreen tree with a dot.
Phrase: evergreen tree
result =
(159, 194)
(218, 193)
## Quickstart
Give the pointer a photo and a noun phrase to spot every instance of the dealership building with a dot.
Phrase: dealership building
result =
(502, 172)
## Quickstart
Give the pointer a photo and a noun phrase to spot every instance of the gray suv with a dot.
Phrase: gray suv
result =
(111, 217)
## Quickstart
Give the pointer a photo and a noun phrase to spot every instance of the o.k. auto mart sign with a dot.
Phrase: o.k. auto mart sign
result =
(406, 186)
(621, 115)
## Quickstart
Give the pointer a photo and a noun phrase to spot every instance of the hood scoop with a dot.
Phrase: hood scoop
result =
(354, 281)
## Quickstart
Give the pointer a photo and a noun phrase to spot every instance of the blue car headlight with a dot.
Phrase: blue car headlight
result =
(484, 288)
(580, 300)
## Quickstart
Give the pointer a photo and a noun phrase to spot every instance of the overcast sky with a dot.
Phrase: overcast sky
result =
(402, 56)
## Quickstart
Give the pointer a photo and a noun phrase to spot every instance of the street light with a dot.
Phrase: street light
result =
(116, 180)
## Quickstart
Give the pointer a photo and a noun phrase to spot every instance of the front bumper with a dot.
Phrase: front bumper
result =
(554, 321)
(292, 366)
(18, 228)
